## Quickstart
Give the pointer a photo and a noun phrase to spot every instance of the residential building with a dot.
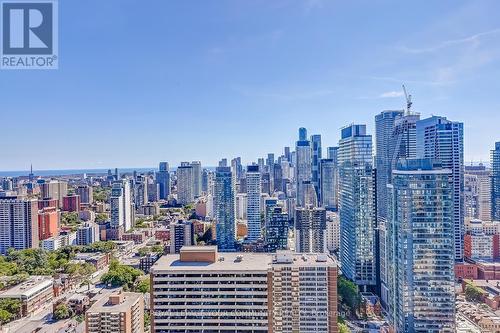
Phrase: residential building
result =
(87, 234)
(310, 230)
(71, 203)
(303, 171)
(185, 184)
(329, 184)
(332, 231)
(477, 192)
(163, 181)
(253, 185)
(356, 206)
(197, 177)
(316, 164)
(86, 194)
(495, 182)
(18, 224)
(181, 234)
(224, 209)
(418, 282)
(48, 222)
(121, 205)
(243, 292)
(441, 139)
(276, 230)
(122, 312)
(54, 189)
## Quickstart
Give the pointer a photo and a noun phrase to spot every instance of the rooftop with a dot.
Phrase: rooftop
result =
(110, 304)
(29, 287)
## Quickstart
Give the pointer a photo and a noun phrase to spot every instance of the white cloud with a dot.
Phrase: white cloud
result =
(391, 94)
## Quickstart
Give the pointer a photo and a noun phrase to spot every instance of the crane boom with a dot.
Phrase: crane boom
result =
(408, 101)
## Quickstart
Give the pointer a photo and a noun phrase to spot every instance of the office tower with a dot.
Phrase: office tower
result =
(253, 202)
(121, 205)
(309, 197)
(356, 206)
(477, 192)
(224, 209)
(384, 153)
(223, 162)
(495, 183)
(153, 190)
(310, 227)
(276, 230)
(163, 180)
(18, 224)
(181, 234)
(196, 178)
(419, 277)
(332, 231)
(331, 152)
(329, 180)
(185, 184)
(290, 292)
(121, 312)
(303, 166)
(48, 222)
(442, 139)
(302, 134)
(204, 181)
(315, 163)
(54, 189)
(86, 194)
(288, 155)
(140, 191)
(270, 160)
(278, 178)
(87, 234)
(265, 183)
(261, 164)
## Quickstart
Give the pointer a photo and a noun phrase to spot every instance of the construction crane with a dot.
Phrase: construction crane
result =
(408, 101)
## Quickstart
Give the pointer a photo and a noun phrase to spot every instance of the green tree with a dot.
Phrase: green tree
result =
(12, 306)
(70, 219)
(143, 286)
(62, 311)
(101, 217)
(348, 293)
(5, 316)
(473, 293)
(121, 275)
(343, 328)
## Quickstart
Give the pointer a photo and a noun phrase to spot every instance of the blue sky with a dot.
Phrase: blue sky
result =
(144, 81)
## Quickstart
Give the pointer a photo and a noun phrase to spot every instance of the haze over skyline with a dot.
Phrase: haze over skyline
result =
(173, 82)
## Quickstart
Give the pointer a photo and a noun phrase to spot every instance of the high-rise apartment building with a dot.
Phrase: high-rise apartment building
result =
(224, 209)
(54, 189)
(253, 184)
(303, 171)
(121, 205)
(477, 192)
(18, 224)
(495, 182)
(181, 234)
(418, 271)
(277, 228)
(185, 183)
(163, 180)
(48, 222)
(196, 165)
(329, 184)
(86, 194)
(441, 139)
(316, 163)
(310, 230)
(356, 206)
(87, 234)
(122, 312)
(384, 153)
(243, 292)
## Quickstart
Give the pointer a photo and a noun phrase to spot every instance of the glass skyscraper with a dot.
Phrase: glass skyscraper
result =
(253, 180)
(163, 180)
(356, 206)
(303, 165)
(441, 139)
(495, 183)
(224, 209)
(315, 163)
(418, 270)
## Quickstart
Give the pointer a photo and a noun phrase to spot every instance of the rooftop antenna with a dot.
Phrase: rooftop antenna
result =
(408, 101)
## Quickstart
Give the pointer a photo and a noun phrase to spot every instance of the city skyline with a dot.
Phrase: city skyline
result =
(240, 70)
